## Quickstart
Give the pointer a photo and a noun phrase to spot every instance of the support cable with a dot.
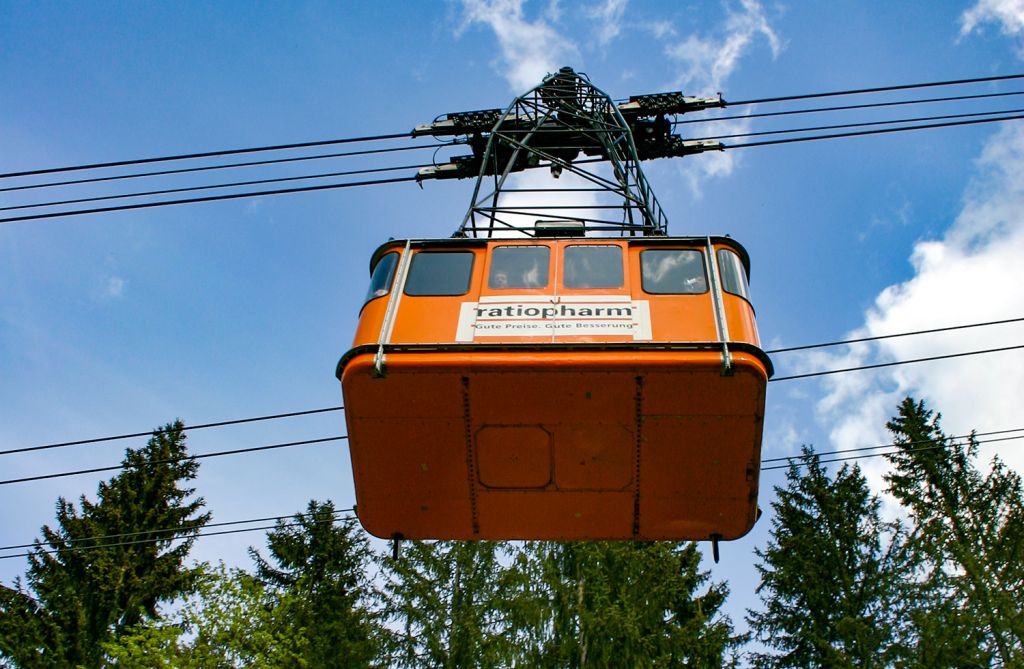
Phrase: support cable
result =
(159, 539)
(235, 184)
(790, 458)
(238, 421)
(864, 124)
(187, 458)
(187, 428)
(205, 154)
(206, 168)
(878, 89)
(122, 535)
(209, 198)
(872, 105)
(893, 364)
(797, 460)
(896, 451)
(862, 133)
(843, 342)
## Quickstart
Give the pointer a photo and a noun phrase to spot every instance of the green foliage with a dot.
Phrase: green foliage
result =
(226, 624)
(83, 591)
(624, 604)
(452, 603)
(318, 585)
(968, 541)
(830, 575)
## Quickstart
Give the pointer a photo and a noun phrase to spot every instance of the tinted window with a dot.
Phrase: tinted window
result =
(519, 267)
(440, 273)
(675, 271)
(734, 275)
(383, 273)
(593, 267)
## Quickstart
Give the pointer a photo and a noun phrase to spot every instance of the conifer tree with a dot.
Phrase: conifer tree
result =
(451, 603)
(626, 604)
(968, 540)
(317, 576)
(84, 589)
(830, 575)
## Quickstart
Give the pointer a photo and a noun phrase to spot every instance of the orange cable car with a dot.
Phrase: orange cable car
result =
(557, 387)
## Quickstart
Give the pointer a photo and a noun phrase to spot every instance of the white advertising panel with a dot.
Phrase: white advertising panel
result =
(547, 316)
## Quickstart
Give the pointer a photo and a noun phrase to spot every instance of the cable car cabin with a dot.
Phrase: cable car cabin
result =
(556, 388)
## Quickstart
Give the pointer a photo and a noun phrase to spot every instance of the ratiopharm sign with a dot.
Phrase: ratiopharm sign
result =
(547, 316)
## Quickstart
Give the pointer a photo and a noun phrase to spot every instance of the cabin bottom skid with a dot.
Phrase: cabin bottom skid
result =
(555, 444)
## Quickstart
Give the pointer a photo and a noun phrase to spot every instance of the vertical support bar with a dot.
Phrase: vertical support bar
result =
(388, 325)
(467, 419)
(638, 410)
(721, 326)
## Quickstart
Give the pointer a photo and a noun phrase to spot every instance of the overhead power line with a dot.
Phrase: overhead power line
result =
(894, 363)
(918, 125)
(304, 189)
(803, 461)
(877, 89)
(206, 168)
(238, 451)
(798, 460)
(153, 540)
(201, 456)
(870, 105)
(389, 136)
(123, 535)
(204, 154)
(209, 198)
(862, 133)
(292, 414)
(865, 124)
(843, 342)
(187, 428)
(789, 458)
(235, 184)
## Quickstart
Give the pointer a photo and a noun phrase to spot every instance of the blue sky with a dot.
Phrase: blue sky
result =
(120, 322)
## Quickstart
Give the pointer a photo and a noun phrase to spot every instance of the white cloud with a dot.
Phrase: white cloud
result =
(115, 287)
(608, 16)
(972, 274)
(1009, 14)
(529, 49)
(534, 205)
(706, 62)
(660, 29)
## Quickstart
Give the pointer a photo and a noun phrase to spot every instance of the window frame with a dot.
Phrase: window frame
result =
(736, 269)
(492, 253)
(389, 284)
(564, 266)
(703, 265)
(412, 269)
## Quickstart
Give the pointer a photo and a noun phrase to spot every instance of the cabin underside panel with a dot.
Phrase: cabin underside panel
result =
(560, 445)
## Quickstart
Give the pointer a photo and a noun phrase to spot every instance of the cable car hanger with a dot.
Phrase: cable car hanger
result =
(551, 126)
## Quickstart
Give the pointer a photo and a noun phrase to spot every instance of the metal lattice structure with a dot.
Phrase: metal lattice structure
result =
(570, 127)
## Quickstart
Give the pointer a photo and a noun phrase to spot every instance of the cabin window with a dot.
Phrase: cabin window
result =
(673, 271)
(380, 279)
(734, 275)
(519, 267)
(440, 273)
(593, 266)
